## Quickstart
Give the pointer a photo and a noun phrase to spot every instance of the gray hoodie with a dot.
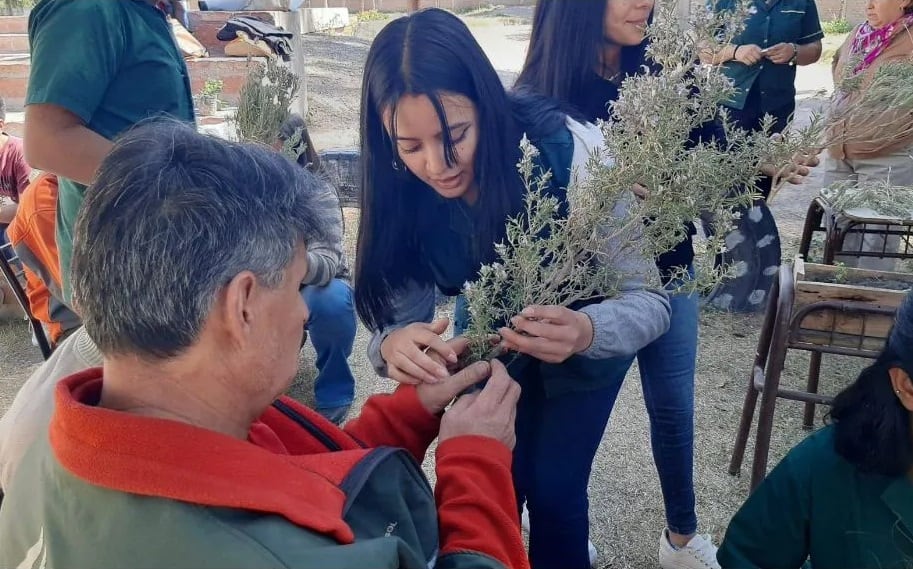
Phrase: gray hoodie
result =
(326, 260)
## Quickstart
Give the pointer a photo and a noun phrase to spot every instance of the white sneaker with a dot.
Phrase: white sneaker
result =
(699, 553)
(591, 549)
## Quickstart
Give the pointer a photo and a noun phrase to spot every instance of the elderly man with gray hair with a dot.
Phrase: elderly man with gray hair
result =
(181, 451)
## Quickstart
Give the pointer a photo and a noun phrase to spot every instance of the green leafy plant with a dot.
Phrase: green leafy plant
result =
(834, 27)
(265, 100)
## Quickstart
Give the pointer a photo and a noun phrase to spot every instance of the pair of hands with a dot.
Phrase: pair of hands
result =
(416, 353)
(491, 412)
(751, 54)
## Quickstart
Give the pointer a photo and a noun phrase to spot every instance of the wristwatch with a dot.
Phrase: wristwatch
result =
(795, 58)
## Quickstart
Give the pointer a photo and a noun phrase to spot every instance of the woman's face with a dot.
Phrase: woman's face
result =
(626, 20)
(420, 143)
(880, 13)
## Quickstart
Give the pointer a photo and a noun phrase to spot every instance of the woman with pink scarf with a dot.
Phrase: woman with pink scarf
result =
(871, 151)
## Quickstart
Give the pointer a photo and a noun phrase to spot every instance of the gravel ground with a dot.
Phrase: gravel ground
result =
(626, 504)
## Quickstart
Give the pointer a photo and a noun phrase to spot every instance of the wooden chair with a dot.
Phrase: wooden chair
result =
(14, 275)
(826, 326)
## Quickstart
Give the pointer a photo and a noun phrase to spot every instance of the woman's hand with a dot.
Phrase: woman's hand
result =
(749, 54)
(795, 172)
(781, 53)
(414, 354)
(549, 333)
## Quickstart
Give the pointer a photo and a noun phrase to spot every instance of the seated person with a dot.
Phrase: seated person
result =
(34, 238)
(14, 172)
(14, 177)
(843, 498)
(327, 291)
(188, 258)
(30, 412)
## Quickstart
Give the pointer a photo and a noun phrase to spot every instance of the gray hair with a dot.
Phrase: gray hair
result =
(2, 109)
(172, 218)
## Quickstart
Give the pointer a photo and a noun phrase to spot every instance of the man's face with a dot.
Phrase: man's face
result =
(270, 326)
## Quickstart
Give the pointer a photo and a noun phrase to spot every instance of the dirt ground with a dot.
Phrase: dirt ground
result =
(626, 504)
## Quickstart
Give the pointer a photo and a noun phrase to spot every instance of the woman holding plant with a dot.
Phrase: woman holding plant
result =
(440, 147)
(579, 53)
(871, 143)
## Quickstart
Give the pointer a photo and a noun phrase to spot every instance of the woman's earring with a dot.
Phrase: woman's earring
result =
(396, 165)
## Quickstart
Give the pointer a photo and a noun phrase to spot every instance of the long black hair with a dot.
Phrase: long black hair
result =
(431, 53)
(564, 50)
(872, 427)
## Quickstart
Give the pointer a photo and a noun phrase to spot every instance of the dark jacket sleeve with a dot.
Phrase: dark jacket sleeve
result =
(770, 531)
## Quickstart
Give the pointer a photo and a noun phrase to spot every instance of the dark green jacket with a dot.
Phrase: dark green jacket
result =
(815, 506)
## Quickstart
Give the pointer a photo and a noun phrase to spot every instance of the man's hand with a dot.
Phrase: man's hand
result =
(749, 54)
(435, 397)
(549, 333)
(409, 353)
(780, 53)
(488, 413)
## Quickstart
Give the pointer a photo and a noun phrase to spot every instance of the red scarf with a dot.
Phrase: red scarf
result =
(869, 43)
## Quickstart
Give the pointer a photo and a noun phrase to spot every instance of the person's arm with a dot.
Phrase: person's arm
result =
(76, 51)
(410, 417)
(747, 54)
(57, 141)
(324, 258)
(477, 510)
(21, 171)
(809, 53)
(812, 34)
(639, 314)
(770, 531)
(477, 507)
(7, 212)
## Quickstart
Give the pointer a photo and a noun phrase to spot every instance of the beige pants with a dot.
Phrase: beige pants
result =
(897, 168)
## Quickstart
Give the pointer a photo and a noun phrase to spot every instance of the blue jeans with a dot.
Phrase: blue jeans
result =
(331, 328)
(667, 376)
(557, 440)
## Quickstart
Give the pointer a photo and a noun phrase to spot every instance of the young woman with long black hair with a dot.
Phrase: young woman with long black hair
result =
(440, 145)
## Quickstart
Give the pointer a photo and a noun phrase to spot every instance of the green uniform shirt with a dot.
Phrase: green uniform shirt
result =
(816, 506)
(112, 63)
(772, 22)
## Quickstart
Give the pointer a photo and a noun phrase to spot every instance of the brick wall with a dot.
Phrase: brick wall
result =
(831, 10)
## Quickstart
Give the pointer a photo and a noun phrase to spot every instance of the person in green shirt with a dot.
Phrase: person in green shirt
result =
(843, 498)
(98, 67)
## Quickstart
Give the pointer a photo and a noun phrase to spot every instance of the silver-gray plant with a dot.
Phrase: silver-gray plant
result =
(554, 260)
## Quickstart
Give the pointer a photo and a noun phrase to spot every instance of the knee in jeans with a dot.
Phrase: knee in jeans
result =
(332, 302)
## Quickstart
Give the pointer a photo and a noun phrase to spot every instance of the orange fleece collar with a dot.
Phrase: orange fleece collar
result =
(169, 459)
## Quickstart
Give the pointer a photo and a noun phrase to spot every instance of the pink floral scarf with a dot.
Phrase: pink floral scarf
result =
(869, 42)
